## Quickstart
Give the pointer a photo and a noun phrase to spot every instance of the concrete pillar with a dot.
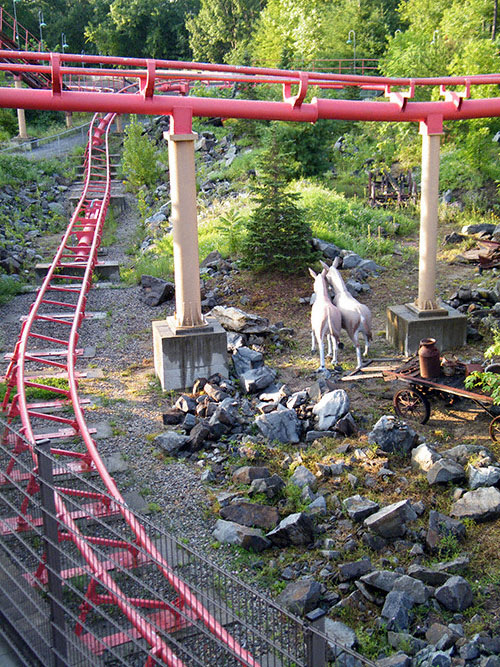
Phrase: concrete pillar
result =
(429, 201)
(185, 230)
(426, 317)
(69, 118)
(21, 117)
(186, 346)
(119, 123)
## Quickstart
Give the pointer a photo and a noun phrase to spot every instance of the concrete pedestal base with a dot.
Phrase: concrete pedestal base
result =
(406, 327)
(182, 356)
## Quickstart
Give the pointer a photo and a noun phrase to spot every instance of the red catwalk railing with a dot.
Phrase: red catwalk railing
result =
(65, 288)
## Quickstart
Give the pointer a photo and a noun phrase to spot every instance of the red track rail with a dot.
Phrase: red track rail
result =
(63, 289)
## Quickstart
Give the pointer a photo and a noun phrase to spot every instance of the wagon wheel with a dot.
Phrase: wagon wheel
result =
(412, 404)
(495, 429)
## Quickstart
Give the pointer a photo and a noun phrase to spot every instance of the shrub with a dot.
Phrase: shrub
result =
(139, 157)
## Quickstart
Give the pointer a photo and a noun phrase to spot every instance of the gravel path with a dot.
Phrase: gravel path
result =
(128, 397)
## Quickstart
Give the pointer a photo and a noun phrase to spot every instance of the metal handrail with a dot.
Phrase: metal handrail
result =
(22, 146)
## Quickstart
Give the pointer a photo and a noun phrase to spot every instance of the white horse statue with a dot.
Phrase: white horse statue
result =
(325, 320)
(356, 317)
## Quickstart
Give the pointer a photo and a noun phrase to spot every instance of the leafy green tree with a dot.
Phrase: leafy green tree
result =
(278, 237)
(139, 156)
(147, 28)
(310, 145)
(221, 27)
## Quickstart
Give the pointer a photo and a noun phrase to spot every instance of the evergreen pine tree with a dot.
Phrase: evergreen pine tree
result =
(278, 237)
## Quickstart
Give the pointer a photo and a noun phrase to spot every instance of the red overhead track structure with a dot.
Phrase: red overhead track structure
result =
(151, 89)
(156, 77)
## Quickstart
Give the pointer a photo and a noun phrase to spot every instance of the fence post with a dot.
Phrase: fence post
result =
(53, 556)
(316, 643)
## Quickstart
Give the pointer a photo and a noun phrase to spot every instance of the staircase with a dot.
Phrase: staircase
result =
(14, 37)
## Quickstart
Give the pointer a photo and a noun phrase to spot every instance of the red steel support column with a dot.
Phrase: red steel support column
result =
(185, 223)
(431, 130)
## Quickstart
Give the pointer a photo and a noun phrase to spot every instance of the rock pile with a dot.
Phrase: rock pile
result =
(31, 211)
(422, 605)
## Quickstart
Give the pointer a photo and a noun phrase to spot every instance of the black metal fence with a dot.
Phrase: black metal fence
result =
(57, 613)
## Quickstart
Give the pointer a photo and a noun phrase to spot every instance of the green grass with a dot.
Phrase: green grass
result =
(351, 224)
(33, 393)
(9, 287)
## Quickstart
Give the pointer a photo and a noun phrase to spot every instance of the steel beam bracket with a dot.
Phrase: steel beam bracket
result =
(401, 98)
(455, 96)
(148, 82)
(55, 62)
(296, 100)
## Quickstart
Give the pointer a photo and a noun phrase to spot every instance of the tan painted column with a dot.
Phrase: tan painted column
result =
(431, 131)
(119, 123)
(69, 118)
(185, 230)
(21, 117)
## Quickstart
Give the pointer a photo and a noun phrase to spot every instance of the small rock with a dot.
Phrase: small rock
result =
(300, 597)
(455, 594)
(250, 539)
(296, 529)
(393, 436)
(302, 477)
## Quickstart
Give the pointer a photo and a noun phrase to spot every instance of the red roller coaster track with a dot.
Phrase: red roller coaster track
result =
(58, 82)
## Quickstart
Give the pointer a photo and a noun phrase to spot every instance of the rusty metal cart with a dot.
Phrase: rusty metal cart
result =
(414, 400)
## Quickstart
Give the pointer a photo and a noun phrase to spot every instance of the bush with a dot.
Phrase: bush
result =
(139, 157)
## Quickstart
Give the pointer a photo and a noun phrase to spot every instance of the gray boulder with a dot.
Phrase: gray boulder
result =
(282, 425)
(462, 453)
(331, 407)
(424, 456)
(354, 569)
(382, 580)
(393, 436)
(430, 576)
(156, 290)
(440, 526)
(171, 442)
(302, 477)
(246, 474)
(329, 250)
(271, 487)
(251, 514)
(390, 520)
(481, 504)
(296, 529)
(245, 359)
(251, 539)
(396, 660)
(397, 610)
(340, 636)
(351, 260)
(416, 589)
(445, 470)
(358, 508)
(257, 379)
(237, 320)
(488, 476)
(300, 597)
(441, 636)
(455, 594)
